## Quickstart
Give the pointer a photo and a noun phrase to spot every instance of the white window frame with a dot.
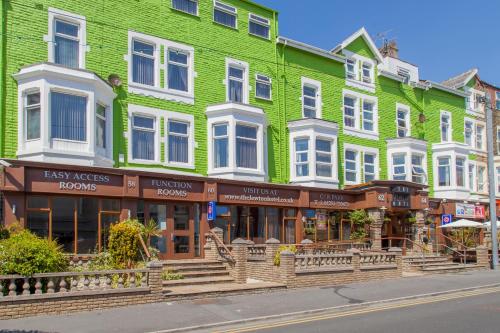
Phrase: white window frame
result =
(319, 103)
(473, 107)
(98, 116)
(296, 152)
(497, 100)
(367, 66)
(225, 10)
(441, 123)
(453, 150)
(245, 84)
(57, 14)
(404, 164)
(471, 131)
(365, 164)
(259, 78)
(160, 89)
(189, 131)
(423, 158)
(360, 152)
(453, 166)
(156, 132)
(498, 140)
(480, 140)
(351, 74)
(167, 116)
(408, 146)
(359, 100)
(26, 108)
(331, 155)
(182, 11)
(407, 128)
(359, 81)
(259, 20)
(314, 129)
(215, 137)
(482, 185)
(246, 115)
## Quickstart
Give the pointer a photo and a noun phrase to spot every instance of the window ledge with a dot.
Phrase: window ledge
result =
(321, 182)
(180, 165)
(360, 133)
(65, 157)
(370, 87)
(239, 174)
(166, 94)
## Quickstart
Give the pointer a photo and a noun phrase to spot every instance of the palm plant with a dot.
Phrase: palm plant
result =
(150, 230)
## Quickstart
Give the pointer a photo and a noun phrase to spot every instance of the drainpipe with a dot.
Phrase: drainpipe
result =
(280, 127)
(3, 66)
(285, 107)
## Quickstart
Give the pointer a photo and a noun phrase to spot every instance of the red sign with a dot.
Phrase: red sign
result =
(479, 212)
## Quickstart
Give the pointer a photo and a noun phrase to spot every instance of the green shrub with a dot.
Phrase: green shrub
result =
(124, 244)
(26, 254)
(282, 248)
(4, 232)
(358, 235)
(168, 275)
(101, 262)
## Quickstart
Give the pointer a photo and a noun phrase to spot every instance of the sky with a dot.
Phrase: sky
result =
(442, 37)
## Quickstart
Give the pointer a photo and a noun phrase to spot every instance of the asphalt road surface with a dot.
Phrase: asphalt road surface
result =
(466, 312)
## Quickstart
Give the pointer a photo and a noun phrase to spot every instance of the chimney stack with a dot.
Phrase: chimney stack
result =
(390, 49)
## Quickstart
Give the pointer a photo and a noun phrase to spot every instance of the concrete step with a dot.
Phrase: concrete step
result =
(198, 281)
(420, 262)
(203, 273)
(190, 262)
(435, 264)
(191, 268)
(174, 293)
(451, 269)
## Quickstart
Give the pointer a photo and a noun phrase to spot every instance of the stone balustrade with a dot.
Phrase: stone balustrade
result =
(377, 259)
(322, 262)
(257, 252)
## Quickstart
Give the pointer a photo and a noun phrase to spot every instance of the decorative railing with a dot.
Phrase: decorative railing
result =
(257, 252)
(322, 262)
(377, 259)
(334, 248)
(223, 249)
(72, 283)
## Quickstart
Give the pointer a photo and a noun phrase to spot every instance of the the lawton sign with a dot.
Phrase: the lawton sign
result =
(78, 181)
(261, 195)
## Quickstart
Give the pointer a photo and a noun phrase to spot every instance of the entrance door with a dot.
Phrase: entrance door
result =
(180, 230)
(176, 222)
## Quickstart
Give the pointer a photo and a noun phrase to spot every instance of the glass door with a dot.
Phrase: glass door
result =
(180, 226)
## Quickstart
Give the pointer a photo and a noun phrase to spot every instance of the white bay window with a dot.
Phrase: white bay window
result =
(451, 170)
(407, 159)
(313, 155)
(236, 137)
(59, 114)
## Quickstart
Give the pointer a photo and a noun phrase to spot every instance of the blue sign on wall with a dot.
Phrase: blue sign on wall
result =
(211, 211)
(446, 218)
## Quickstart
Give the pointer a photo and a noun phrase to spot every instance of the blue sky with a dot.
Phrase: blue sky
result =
(442, 37)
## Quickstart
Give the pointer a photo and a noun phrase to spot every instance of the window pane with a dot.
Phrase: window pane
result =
(236, 72)
(178, 74)
(143, 48)
(38, 202)
(181, 244)
(224, 18)
(63, 222)
(178, 57)
(181, 217)
(66, 28)
(324, 170)
(100, 133)
(143, 63)
(106, 221)
(309, 91)
(263, 90)
(188, 6)
(235, 91)
(220, 130)
(258, 29)
(178, 149)
(246, 153)
(38, 223)
(176, 127)
(33, 123)
(66, 49)
(221, 153)
(158, 213)
(246, 131)
(87, 215)
(301, 144)
(110, 205)
(143, 145)
(144, 122)
(68, 117)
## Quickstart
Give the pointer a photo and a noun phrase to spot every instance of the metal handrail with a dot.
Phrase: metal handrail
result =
(455, 241)
(220, 243)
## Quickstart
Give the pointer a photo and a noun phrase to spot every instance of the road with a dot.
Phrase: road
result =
(476, 312)
(177, 315)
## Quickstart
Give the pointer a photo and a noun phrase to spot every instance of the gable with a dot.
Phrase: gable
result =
(361, 47)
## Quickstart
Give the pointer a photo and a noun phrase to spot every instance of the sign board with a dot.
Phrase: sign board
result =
(446, 218)
(211, 211)
(469, 211)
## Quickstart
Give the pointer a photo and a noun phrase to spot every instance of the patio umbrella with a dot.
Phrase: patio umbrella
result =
(487, 224)
(463, 223)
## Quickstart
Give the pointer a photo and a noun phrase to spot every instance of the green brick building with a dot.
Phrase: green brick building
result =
(185, 100)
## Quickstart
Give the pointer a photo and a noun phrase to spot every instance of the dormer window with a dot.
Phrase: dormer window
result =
(351, 69)
(367, 72)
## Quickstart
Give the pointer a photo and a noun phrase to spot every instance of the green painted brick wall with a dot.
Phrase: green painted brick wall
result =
(296, 64)
(108, 22)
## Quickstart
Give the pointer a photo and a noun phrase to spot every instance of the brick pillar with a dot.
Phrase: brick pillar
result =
(487, 239)
(240, 254)
(419, 236)
(376, 228)
(155, 281)
(308, 246)
(272, 246)
(482, 256)
(287, 268)
(399, 258)
(355, 262)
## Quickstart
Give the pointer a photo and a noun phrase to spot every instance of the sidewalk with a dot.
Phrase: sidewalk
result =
(162, 316)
